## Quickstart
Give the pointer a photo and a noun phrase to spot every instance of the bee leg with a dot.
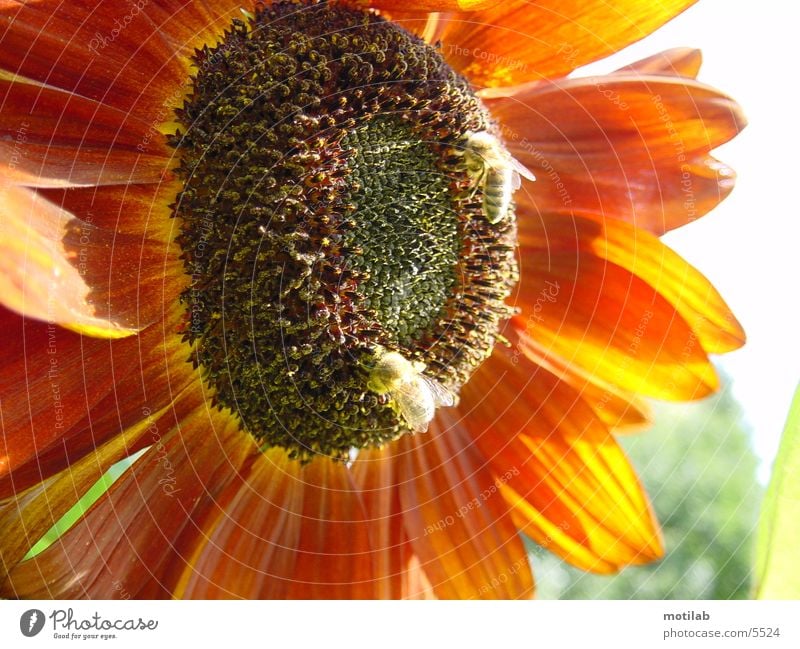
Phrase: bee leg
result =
(479, 182)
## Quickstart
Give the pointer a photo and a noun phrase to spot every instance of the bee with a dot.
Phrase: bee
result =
(495, 171)
(414, 396)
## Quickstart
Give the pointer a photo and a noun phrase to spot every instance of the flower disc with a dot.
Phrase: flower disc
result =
(326, 213)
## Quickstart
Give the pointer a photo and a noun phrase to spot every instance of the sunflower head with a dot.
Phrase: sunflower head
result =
(322, 249)
(326, 213)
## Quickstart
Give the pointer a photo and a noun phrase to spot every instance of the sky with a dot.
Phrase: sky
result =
(749, 246)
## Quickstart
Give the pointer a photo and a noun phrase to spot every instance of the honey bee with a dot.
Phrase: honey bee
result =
(414, 396)
(495, 171)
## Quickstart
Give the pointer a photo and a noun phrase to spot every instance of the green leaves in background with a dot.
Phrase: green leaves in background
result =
(778, 559)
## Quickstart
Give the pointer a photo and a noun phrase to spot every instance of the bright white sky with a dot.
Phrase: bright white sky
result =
(750, 245)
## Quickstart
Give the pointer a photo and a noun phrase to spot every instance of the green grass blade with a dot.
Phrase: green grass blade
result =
(74, 514)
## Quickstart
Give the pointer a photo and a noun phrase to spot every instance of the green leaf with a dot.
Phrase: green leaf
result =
(777, 559)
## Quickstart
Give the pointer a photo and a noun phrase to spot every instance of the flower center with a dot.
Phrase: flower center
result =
(329, 221)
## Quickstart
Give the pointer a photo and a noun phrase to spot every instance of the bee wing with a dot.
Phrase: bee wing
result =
(520, 169)
(441, 395)
(415, 403)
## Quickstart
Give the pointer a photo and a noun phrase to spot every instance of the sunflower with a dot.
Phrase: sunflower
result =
(256, 251)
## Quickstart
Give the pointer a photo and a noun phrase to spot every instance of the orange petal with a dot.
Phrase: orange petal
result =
(512, 394)
(615, 408)
(133, 280)
(569, 484)
(520, 41)
(460, 530)
(678, 62)
(432, 5)
(126, 536)
(142, 210)
(592, 313)
(645, 117)
(288, 532)
(245, 546)
(67, 271)
(644, 255)
(399, 574)
(50, 380)
(71, 399)
(627, 146)
(527, 394)
(334, 556)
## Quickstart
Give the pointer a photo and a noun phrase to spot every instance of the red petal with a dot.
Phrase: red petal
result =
(287, 532)
(100, 51)
(102, 388)
(185, 25)
(126, 536)
(50, 380)
(67, 271)
(460, 530)
(334, 557)
(626, 146)
(433, 5)
(678, 62)
(142, 210)
(54, 138)
(37, 276)
(244, 546)
(399, 574)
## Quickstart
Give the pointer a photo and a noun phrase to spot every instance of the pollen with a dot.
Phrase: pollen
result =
(325, 215)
